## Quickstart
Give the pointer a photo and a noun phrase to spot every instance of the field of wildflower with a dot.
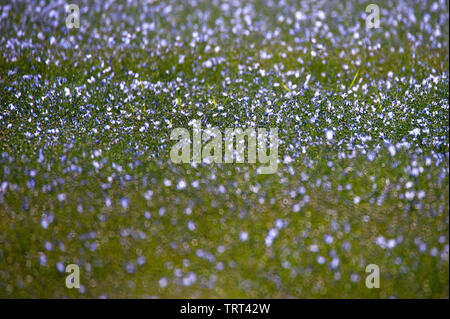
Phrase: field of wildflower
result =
(86, 116)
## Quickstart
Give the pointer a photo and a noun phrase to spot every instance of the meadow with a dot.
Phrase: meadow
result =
(86, 177)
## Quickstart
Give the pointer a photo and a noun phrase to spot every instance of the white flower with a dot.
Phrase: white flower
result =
(329, 134)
